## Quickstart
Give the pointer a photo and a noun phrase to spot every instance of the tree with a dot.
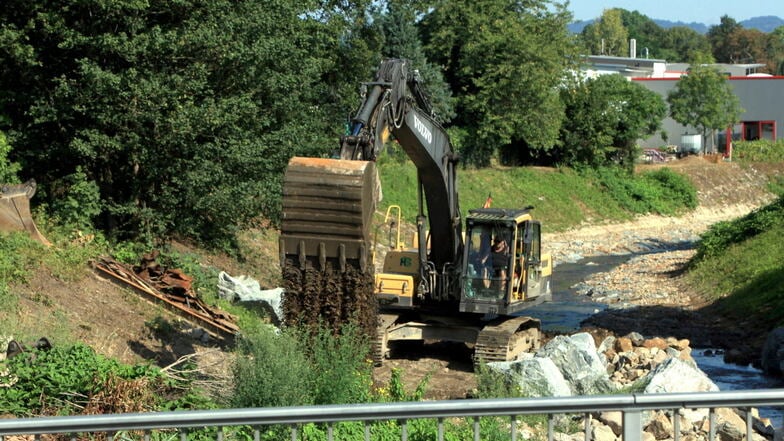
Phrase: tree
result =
(605, 117)
(607, 36)
(704, 99)
(719, 38)
(687, 45)
(503, 60)
(8, 169)
(397, 25)
(650, 37)
(777, 51)
(183, 114)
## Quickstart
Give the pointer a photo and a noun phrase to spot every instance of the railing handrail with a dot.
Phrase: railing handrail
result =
(389, 411)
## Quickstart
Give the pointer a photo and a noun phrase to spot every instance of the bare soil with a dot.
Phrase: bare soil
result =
(119, 323)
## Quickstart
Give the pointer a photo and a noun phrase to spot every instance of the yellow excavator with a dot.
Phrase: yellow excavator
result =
(449, 286)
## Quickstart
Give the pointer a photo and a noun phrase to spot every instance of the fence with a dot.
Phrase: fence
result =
(632, 406)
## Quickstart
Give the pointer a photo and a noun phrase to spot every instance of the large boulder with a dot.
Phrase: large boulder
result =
(773, 353)
(579, 363)
(535, 377)
(675, 375)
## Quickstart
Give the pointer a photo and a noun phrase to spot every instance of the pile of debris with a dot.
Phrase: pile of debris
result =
(173, 289)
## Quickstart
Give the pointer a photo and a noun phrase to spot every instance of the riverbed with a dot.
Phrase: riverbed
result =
(570, 307)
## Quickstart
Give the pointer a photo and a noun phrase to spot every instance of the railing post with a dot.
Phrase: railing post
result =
(587, 418)
(550, 427)
(632, 425)
(676, 425)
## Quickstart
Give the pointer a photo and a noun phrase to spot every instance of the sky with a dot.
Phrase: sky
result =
(701, 11)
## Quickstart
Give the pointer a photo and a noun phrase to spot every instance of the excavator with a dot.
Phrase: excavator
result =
(449, 285)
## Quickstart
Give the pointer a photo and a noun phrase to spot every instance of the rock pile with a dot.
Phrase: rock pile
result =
(692, 425)
(633, 357)
(575, 365)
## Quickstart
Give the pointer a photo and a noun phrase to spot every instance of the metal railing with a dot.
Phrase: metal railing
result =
(632, 406)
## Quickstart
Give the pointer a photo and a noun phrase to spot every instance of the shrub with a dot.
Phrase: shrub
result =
(661, 192)
(723, 234)
(295, 368)
(272, 370)
(762, 150)
(493, 384)
(342, 370)
(80, 201)
(74, 379)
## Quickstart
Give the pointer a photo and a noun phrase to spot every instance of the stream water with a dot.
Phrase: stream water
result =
(568, 309)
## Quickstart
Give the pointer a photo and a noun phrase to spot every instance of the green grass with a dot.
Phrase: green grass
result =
(740, 264)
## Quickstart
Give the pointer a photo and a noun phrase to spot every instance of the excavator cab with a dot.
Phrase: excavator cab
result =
(505, 270)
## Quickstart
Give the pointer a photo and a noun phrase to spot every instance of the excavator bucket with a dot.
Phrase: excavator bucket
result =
(328, 206)
(15, 210)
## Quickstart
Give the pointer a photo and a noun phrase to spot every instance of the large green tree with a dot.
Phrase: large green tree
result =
(605, 117)
(396, 21)
(608, 35)
(650, 37)
(720, 37)
(183, 113)
(686, 45)
(777, 40)
(504, 61)
(704, 99)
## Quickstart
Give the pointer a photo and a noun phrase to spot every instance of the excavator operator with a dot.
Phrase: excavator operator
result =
(500, 258)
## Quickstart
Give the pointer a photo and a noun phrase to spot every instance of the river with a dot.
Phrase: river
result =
(568, 309)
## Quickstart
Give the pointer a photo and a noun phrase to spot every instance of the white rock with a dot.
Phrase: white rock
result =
(675, 375)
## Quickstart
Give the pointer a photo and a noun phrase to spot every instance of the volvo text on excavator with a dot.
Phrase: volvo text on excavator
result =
(449, 286)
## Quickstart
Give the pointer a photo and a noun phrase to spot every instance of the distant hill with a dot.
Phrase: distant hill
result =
(666, 24)
(764, 23)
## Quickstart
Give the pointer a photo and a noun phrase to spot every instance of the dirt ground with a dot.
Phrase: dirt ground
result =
(120, 323)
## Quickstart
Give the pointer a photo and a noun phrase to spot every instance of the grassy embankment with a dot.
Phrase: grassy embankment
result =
(740, 263)
(562, 198)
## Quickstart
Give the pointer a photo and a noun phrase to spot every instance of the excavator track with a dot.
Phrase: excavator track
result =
(381, 344)
(506, 339)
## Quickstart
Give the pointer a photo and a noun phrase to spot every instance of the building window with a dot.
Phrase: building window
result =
(747, 131)
(754, 130)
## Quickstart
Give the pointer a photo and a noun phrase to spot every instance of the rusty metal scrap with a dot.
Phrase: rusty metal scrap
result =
(174, 289)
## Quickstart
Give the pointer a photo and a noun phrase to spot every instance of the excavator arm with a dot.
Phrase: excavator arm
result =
(397, 105)
(328, 203)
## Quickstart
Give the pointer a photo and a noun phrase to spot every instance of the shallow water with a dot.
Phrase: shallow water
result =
(568, 309)
(735, 377)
